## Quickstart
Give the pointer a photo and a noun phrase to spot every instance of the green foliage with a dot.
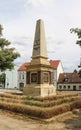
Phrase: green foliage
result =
(75, 71)
(78, 32)
(7, 55)
(1, 29)
(2, 78)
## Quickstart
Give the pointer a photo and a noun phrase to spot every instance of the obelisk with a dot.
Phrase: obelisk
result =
(39, 54)
(40, 74)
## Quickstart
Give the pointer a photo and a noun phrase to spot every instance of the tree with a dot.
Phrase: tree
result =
(78, 32)
(75, 71)
(2, 79)
(7, 54)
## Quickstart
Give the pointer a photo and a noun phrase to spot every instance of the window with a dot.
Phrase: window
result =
(74, 88)
(64, 87)
(79, 87)
(69, 87)
(33, 77)
(19, 75)
(23, 75)
(65, 80)
(60, 87)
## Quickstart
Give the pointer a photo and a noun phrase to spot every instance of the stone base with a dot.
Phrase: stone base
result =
(39, 90)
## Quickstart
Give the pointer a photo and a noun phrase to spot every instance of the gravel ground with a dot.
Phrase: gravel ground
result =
(12, 121)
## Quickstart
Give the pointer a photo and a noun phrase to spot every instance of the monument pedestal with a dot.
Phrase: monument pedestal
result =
(42, 90)
(40, 79)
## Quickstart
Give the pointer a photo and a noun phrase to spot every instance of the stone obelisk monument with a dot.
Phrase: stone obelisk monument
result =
(39, 72)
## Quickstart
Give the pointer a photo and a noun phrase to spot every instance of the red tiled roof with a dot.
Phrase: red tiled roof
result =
(23, 67)
(69, 78)
(53, 63)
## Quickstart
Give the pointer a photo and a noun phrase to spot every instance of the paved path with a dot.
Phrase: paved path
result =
(68, 122)
(12, 90)
(9, 123)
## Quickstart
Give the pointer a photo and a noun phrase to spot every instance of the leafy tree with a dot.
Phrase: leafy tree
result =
(75, 71)
(2, 79)
(7, 55)
(78, 32)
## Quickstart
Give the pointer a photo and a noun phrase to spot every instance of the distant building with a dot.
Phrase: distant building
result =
(22, 80)
(69, 82)
(58, 68)
(11, 78)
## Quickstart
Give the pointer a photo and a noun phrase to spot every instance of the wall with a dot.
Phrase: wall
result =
(57, 72)
(71, 87)
(59, 69)
(11, 78)
(21, 78)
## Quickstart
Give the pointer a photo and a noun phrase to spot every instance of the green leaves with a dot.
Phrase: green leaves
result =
(78, 32)
(1, 29)
(7, 55)
(2, 78)
(3, 43)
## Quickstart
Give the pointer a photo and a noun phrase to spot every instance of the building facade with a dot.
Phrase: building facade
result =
(58, 68)
(22, 75)
(11, 78)
(69, 82)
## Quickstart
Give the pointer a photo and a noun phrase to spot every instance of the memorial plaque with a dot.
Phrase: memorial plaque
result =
(46, 77)
(33, 77)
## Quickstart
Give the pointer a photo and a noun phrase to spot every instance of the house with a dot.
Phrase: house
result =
(58, 68)
(22, 75)
(11, 78)
(69, 82)
(22, 80)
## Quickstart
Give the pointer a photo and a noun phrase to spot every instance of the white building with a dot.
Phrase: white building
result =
(58, 68)
(11, 78)
(22, 75)
(69, 82)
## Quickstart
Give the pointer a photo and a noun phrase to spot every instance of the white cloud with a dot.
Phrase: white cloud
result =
(37, 3)
(59, 16)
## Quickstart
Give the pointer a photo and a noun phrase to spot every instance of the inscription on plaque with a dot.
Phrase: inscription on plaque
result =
(46, 77)
(33, 77)
(37, 47)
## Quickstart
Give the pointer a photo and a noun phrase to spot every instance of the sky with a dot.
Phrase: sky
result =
(18, 18)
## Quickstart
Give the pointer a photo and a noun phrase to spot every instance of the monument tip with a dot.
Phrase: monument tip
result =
(40, 20)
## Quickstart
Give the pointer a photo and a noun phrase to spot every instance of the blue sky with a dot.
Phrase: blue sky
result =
(19, 17)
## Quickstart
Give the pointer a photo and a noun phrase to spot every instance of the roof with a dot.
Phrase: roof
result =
(23, 67)
(54, 63)
(69, 78)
